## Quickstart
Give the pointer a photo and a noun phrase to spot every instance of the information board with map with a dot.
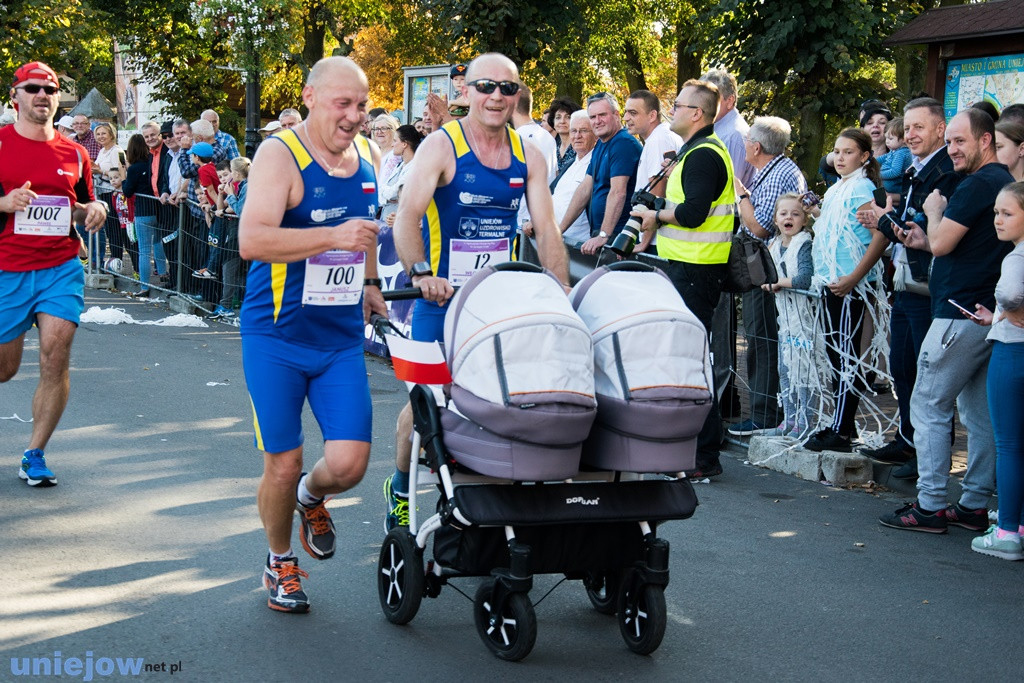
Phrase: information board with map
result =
(999, 80)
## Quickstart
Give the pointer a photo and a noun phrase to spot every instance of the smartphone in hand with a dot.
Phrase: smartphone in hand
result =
(969, 314)
(880, 197)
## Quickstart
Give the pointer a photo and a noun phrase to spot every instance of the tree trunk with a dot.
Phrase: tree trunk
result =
(313, 33)
(689, 64)
(812, 139)
(911, 70)
(569, 84)
(634, 69)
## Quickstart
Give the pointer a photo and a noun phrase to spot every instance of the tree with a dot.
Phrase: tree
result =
(811, 56)
(66, 34)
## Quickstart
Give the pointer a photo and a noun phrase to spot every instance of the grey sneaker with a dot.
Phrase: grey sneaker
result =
(1003, 548)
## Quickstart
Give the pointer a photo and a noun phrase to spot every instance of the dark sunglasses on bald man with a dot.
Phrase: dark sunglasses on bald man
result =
(33, 89)
(487, 86)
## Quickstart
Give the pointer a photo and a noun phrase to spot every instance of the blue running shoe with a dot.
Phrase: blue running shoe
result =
(398, 507)
(34, 470)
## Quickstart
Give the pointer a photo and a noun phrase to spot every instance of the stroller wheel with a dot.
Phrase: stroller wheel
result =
(641, 614)
(603, 590)
(511, 634)
(400, 577)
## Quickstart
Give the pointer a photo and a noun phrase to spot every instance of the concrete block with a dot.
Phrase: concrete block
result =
(180, 304)
(99, 280)
(845, 469)
(783, 455)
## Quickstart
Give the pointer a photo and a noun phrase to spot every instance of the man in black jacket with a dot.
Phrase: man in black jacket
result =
(925, 126)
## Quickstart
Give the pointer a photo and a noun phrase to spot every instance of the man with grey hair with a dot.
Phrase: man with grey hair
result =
(199, 130)
(289, 118)
(730, 128)
(774, 175)
(611, 177)
(226, 141)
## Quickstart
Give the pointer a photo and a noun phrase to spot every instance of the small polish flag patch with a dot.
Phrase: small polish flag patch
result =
(369, 188)
(515, 182)
(418, 362)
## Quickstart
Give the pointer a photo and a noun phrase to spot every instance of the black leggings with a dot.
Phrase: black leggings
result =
(843, 320)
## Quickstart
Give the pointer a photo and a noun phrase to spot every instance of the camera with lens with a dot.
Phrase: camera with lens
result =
(625, 241)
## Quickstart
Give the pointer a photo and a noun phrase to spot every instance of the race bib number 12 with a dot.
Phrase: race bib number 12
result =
(465, 257)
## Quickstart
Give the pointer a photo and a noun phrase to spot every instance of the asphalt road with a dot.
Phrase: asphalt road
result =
(150, 547)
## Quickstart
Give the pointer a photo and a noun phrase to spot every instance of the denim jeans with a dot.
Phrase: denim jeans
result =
(145, 230)
(99, 245)
(1006, 402)
(911, 318)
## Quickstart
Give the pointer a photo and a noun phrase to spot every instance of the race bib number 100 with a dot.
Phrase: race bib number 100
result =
(334, 278)
(47, 216)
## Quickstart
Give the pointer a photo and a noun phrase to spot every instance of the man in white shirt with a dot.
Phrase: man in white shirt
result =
(642, 117)
(583, 140)
(522, 121)
(529, 130)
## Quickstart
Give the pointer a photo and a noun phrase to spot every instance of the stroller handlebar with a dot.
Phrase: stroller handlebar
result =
(402, 294)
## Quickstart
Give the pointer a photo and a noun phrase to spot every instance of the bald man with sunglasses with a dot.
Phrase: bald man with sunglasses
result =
(461, 215)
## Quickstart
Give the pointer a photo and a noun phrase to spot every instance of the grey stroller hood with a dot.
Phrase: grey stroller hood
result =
(652, 370)
(523, 381)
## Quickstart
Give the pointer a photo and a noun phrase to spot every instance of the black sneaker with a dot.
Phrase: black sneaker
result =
(911, 518)
(283, 580)
(892, 453)
(829, 440)
(704, 472)
(907, 470)
(975, 520)
(318, 537)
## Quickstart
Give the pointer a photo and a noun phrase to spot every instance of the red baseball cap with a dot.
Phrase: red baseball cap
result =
(37, 70)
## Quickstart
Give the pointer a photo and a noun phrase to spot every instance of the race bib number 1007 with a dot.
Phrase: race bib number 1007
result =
(47, 216)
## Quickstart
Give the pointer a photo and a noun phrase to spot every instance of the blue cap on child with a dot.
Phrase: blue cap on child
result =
(203, 149)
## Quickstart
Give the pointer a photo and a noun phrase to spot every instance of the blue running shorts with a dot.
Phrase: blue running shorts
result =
(428, 321)
(57, 291)
(281, 375)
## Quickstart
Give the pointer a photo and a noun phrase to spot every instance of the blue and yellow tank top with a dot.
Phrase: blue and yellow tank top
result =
(274, 291)
(479, 206)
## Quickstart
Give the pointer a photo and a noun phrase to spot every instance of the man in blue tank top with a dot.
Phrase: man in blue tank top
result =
(308, 228)
(461, 215)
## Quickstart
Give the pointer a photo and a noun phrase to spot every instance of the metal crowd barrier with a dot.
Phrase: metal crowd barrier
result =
(185, 242)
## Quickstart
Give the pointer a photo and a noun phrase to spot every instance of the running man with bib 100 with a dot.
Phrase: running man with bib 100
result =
(308, 228)
(45, 179)
(460, 215)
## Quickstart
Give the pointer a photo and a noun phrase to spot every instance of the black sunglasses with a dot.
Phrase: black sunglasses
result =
(33, 89)
(597, 96)
(487, 86)
(166, 136)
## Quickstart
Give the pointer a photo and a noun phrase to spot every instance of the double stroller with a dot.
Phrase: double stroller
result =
(556, 408)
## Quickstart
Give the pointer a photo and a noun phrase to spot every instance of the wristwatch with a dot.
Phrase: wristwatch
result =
(420, 268)
(603, 234)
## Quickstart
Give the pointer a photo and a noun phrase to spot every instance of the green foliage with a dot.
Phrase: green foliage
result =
(66, 34)
(806, 61)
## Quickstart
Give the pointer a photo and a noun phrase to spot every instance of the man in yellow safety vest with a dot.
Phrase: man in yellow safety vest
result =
(695, 228)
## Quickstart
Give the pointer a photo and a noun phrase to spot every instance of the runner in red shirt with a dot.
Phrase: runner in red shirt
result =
(44, 180)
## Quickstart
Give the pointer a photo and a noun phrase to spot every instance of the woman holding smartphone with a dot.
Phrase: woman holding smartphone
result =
(1006, 380)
